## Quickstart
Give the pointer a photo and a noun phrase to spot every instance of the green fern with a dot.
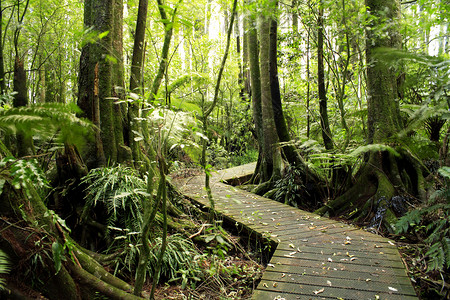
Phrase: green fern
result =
(53, 120)
(4, 267)
(121, 191)
(180, 255)
(437, 230)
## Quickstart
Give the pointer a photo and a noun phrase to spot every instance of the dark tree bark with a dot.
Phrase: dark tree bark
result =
(324, 123)
(2, 63)
(24, 141)
(120, 114)
(136, 84)
(98, 85)
(271, 159)
(255, 84)
(280, 122)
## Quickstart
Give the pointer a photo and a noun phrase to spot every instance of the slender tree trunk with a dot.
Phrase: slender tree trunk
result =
(324, 123)
(168, 26)
(308, 87)
(2, 63)
(294, 16)
(24, 141)
(120, 115)
(255, 83)
(136, 84)
(245, 61)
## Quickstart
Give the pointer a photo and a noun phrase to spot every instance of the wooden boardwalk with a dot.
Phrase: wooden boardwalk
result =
(315, 257)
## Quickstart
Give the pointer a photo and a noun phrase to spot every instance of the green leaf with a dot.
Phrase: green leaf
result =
(58, 255)
(103, 34)
(445, 172)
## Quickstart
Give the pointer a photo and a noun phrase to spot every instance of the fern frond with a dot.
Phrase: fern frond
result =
(5, 267)
(47, 120)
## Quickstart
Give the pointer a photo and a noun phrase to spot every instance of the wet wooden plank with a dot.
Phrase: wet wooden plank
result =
(315, 258)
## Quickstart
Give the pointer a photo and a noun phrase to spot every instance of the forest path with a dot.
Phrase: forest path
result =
(315, 257)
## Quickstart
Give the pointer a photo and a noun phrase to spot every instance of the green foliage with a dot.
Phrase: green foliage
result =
(433, 222)
(22, 172)
(181, 260)
(289, 187)
(121, 191)
(50, 120)
(5, 267)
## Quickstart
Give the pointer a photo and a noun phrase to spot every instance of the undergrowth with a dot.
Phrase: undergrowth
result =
(428, 229)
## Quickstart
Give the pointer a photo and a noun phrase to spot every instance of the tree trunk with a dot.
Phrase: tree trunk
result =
(103, 22)
(2, 63)
(280, 123)
(136, 84)
(255, 84)
(271, 160)
(120, 115)
(24, 141)
(324, 123)
(95, 84)
(168, 26)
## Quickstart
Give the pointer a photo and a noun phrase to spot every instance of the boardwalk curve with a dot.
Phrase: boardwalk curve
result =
(315, 257)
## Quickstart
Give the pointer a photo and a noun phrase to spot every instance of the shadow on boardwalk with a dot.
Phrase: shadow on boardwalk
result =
(315, 257)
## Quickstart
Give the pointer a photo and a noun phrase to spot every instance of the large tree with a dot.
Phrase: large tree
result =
(101, 82)
(389, 170)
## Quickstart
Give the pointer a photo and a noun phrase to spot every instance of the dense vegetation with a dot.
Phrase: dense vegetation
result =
(343, 104)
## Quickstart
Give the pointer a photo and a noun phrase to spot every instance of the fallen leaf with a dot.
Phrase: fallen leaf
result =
(275, 284)
(329, 259)
(291, 245)
(393, 289)
(329, 282)
(391, 243)
(353, 258)
(283, 275)
(270, 265)
(265, 285)
(319, 291)
(292, 253)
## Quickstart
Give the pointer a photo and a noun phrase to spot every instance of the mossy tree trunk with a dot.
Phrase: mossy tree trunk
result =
(96, 82)
(136, 84)
(384, 174)
(271, 157)
(120, 114)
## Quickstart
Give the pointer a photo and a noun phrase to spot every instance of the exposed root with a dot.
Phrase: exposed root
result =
(381, 178)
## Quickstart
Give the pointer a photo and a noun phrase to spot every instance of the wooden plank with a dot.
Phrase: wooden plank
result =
(364, 284)
(326, 291)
